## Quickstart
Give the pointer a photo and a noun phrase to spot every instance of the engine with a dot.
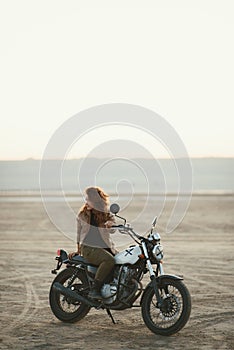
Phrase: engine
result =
(109, 292)
(123, 276)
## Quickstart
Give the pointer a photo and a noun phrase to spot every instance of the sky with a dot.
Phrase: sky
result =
(58, 58)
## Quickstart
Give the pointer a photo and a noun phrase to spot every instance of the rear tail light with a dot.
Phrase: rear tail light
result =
(58, 252)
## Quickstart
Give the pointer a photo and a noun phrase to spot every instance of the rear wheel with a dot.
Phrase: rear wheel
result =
(174, 312)
(65, 308)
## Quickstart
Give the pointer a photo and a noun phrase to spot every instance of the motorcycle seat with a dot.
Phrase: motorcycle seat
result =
(81, 260)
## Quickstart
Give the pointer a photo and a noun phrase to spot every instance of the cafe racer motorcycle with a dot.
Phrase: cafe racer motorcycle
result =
(165, 301)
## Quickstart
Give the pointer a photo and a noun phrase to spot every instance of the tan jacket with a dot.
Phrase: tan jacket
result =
(83, 226)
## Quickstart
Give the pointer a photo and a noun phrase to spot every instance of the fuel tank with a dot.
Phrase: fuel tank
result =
(128, 256)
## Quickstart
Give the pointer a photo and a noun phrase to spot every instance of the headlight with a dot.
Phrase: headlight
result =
(157, 252)
(154, 236)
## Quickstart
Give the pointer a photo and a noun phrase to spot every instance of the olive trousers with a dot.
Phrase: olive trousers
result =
(100, 257)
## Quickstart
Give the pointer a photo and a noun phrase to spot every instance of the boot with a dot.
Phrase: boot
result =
(95, 292)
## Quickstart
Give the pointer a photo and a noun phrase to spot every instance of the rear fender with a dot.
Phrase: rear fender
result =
(159, 279)
(62, 256)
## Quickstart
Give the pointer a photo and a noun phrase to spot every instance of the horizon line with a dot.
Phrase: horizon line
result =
(148, 158)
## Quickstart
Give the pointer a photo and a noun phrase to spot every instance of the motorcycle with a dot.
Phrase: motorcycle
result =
(165, 301)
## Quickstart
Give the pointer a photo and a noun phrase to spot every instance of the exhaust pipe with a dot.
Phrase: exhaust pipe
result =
(73, 295)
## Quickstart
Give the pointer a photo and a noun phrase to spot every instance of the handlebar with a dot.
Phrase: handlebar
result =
(122, 227)
(127, 229)
(118, 226)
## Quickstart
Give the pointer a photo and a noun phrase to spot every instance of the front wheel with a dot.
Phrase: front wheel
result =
(64, 308)
(174, 312)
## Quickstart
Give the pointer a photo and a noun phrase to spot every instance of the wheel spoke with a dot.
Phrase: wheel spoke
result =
(67, 304)
(171, 309)
(171, 315)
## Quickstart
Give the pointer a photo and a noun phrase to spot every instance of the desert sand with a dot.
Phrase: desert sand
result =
(200, 249)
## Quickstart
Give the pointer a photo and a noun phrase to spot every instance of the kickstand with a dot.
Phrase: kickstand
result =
(110, 314)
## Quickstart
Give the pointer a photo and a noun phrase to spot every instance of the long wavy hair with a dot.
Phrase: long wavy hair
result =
(100, 201)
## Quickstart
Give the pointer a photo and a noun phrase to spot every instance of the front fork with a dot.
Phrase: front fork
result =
(152, 274)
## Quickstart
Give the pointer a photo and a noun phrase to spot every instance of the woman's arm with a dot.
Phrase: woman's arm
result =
(109, 223)
(78, 231)
(70, 255)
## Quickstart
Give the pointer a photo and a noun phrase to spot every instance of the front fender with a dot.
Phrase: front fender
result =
(159, 279)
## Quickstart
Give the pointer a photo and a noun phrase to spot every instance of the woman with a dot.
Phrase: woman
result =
(94, 223)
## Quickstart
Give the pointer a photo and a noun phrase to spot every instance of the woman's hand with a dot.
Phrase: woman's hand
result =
(108, 224)
(78, 252)
(71, 255)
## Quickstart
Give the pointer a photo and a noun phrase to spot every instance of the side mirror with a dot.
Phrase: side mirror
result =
(153, 224)
(154, 221)
(114, 208)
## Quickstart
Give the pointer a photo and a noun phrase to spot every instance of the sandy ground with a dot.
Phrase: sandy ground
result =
(201, 249)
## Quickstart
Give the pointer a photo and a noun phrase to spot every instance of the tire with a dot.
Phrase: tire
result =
(175, 310)
(63, 308)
